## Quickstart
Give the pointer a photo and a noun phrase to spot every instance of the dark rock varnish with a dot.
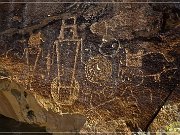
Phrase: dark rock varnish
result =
(117, 64)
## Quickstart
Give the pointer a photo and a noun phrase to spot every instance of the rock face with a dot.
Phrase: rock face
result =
(90, 67)
(25, 107)
(168, 118)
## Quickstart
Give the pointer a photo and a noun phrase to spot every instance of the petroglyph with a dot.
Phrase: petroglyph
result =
(118, 26)
(108, 65)
(159, 62)
(109, 47)
(35, 40)
(131, 75)
(98, 69)
(131, 72)
(134, 59)
(65, 88)
(64, 95)
(34, 49)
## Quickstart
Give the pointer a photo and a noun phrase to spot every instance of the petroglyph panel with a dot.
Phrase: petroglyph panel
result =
(115, 64)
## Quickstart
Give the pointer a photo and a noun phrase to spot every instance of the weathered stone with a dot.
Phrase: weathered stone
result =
(89, 66)
(26, 108)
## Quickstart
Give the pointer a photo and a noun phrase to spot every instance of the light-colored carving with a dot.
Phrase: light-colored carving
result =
(134, 59)
(35, 40)
(112, 44)
(98, 69)
(34, 48)
(132, 73)
(34, 43)
(62, 93)
(132, 76)
(48, 63)
(157, 76)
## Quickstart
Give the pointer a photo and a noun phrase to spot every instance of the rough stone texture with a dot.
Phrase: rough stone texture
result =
(117, 65)
(168, 119)
(25, 107)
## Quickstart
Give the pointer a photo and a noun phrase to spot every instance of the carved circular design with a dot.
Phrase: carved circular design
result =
(98, 69)
(64, 95)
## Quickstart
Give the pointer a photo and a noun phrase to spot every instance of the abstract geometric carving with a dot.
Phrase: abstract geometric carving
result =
(64, 88)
